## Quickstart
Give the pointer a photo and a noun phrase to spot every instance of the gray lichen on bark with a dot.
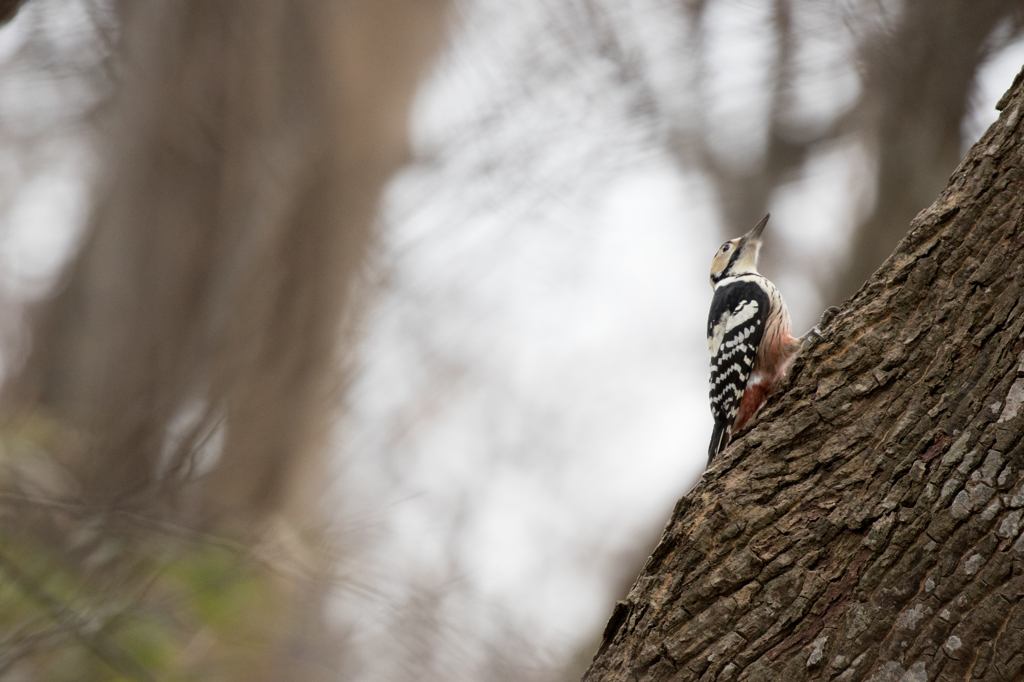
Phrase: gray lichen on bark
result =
(868, 525)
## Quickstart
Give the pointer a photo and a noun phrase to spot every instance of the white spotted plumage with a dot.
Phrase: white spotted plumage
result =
(749, 336)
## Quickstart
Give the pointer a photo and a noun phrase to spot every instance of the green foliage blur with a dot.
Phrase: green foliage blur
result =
(98, 595)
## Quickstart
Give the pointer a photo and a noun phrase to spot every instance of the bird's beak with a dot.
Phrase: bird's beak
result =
(755, 234)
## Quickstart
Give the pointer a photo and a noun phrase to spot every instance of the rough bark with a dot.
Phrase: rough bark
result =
(867, 526)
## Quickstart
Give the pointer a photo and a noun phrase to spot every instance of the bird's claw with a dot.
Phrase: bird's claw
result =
(814, 335)
(826, 317)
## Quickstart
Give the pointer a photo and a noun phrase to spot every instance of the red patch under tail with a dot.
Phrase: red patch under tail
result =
(753, 398)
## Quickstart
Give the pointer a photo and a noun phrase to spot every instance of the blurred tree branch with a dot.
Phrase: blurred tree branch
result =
(65, 619)
(918, 80)
(9, 8)
(918, 63)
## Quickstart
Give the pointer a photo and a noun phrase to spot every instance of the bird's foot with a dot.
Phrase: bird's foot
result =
(814, 335)
(826, 317)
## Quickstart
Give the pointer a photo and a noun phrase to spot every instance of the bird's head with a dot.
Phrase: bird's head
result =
(738, 256)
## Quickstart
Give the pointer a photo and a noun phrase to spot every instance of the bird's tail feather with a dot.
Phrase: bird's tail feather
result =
(719, 439)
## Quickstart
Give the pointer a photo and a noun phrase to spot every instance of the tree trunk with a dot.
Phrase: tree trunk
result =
(867, 526)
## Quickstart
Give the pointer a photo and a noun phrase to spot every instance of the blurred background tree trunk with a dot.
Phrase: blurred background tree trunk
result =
(189, 360)
(868, 526)
(244, 154)
(918, 61)
(918, 82)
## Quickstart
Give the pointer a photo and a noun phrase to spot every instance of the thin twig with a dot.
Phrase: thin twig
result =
(74, 623)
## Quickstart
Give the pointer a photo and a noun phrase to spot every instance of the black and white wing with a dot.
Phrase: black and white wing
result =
(739, 311)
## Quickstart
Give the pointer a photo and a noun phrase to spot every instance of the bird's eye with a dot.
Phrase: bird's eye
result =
(726, 247)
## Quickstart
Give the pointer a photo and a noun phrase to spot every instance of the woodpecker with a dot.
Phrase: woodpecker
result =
(749, 337)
